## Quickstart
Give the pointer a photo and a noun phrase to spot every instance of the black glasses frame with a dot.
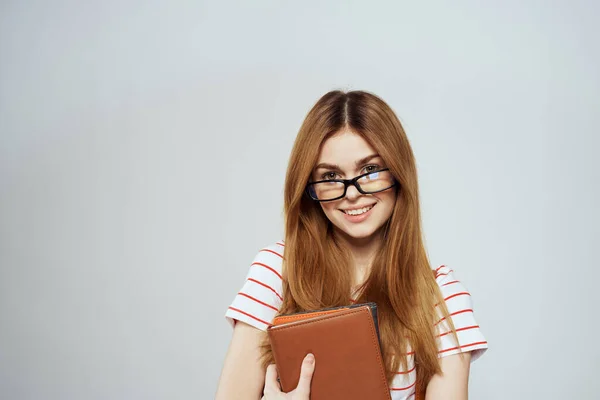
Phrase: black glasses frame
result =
(348, 182)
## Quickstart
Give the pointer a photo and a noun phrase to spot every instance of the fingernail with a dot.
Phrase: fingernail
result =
(310, 358)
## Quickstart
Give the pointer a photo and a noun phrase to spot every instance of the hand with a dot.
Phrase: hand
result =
(302, 391)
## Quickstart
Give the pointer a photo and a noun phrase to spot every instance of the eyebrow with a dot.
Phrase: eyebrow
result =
(357, 163)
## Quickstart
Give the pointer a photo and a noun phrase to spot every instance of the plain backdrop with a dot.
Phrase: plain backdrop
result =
(143, 148)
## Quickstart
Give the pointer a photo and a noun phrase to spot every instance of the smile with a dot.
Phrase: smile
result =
(358, 211)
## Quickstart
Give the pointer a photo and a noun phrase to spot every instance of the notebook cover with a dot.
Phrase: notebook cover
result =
(345, 342)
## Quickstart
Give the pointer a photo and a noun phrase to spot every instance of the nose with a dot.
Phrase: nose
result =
(352, 192)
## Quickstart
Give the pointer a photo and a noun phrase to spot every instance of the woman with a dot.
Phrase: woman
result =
(353, 234)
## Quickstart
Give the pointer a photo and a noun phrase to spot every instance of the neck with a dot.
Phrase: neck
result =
(363, 251)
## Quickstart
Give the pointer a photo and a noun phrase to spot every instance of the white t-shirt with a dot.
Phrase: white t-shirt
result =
(259, 300)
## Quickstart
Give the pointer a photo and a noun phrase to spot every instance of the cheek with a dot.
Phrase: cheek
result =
(389, 200)
(328, 208)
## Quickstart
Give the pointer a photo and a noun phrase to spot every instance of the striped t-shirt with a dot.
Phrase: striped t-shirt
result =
(259, 300)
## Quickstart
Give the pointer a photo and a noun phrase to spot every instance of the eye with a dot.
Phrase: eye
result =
(328, 176)
(371, 168)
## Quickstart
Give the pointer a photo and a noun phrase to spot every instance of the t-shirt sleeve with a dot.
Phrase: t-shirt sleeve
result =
(460, 307)
(260, 298)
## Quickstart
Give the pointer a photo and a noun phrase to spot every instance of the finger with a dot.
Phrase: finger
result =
(306, 373)
(271, 384)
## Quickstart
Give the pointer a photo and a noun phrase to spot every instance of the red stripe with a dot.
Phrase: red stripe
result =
(462, 347)
(461, 311)
(267, 286)
(269, 268)
(406, 372)
(457, 294)
(455, 313)
(258, 301)
(449, 283)
(281, 244)
(443, 274)
(454, 295)
(405, 388)
(466, 328)
(271, 251)
(440, 267)
(249, 315)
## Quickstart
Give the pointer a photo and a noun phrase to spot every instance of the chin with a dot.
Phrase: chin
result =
(359, 232)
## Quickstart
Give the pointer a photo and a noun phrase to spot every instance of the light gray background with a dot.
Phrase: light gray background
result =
(143, 149)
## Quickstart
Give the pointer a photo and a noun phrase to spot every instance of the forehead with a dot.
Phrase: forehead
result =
(344, 148)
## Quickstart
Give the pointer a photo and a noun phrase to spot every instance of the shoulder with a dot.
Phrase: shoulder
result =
(459, 303)
(448, 281)
(454, 292)
(270, 258)
(260, 297)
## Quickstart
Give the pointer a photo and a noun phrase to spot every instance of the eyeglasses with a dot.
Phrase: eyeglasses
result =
(334, 189)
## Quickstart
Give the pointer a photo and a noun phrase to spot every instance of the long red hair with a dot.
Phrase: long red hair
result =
(315, 266)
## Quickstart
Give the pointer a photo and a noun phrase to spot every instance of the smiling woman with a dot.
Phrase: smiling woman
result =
(353, 234)
(354, 213)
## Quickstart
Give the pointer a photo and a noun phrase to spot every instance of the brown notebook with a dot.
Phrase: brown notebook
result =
(345, 342)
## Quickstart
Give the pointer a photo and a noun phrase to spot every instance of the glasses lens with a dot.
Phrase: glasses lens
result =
(376, 181)
(326, 190)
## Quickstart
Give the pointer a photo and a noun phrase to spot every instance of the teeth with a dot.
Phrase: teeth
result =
(359, 211)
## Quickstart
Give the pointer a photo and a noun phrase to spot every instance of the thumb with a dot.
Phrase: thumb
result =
(306, 374)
